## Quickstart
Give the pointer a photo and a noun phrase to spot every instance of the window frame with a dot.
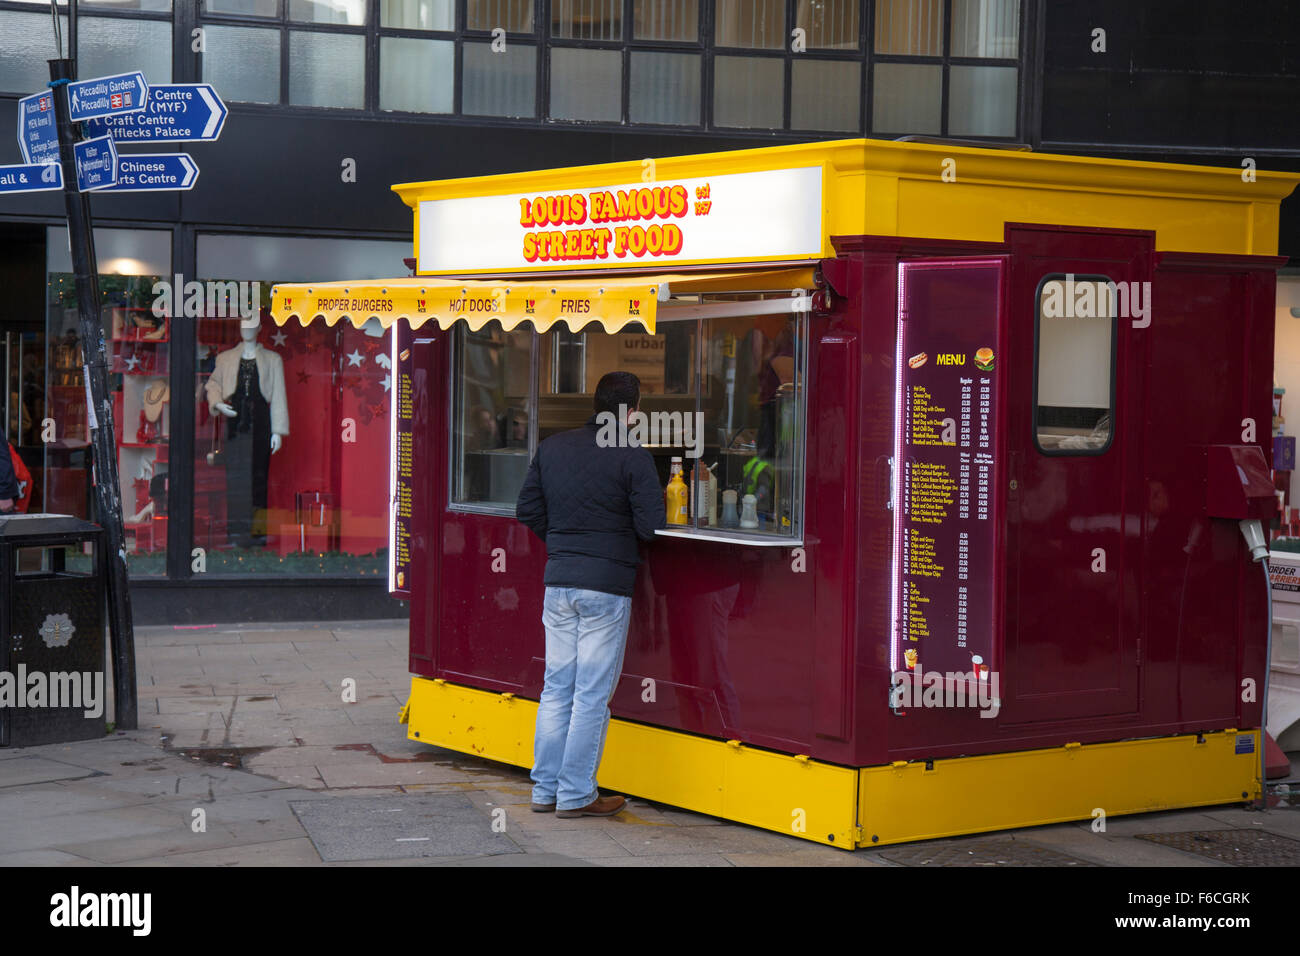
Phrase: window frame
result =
(802, 341)
(1114, 369)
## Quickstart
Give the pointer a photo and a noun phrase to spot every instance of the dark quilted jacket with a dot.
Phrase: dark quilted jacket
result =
(590, 505)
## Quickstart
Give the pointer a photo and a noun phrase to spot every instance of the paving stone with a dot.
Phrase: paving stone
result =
(290, 637)
(656, 841)
(427, 825)
(590, 844)
(29, 769)
(363, 775)
(679, 859)
(290, 852)
(194, 705)
(812, 856)
(44, 858)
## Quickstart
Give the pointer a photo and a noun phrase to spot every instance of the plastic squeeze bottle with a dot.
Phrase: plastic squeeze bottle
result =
(675, 495)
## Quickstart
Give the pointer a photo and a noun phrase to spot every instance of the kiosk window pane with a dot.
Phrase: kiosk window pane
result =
(490, 417)
(664, 88)
(1076, 364)
(499, 84)
(586, 84)
(416, 75)
(666, 20)
(516, 16)
(112, 45)
(243, 63)
(909, 27)
(418, 14)
(26, 40)
(748, 91)
(750, 24)
(347, 12)
(243, 8)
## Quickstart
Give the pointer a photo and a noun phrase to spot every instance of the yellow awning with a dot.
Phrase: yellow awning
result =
(613, 301)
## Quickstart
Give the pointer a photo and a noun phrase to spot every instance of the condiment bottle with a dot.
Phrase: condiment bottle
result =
(749, 512)
(730, 517)
(676, 495)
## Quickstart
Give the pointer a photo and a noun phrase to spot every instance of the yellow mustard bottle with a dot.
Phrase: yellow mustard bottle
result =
(675, 495)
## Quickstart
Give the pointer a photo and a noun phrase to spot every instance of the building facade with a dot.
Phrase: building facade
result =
(333, 101)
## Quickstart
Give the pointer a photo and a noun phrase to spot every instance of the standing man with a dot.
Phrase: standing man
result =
(8, 481)
(589, 504)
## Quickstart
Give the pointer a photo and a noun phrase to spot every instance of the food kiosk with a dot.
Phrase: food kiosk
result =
(1002, 415)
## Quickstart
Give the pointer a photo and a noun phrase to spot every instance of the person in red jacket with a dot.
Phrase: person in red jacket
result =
(9, 490)
(23, 477)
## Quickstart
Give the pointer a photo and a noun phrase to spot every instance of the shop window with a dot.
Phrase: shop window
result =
(26, 42)
(748, 91)
(586, 84)
(909, 27)
(587, 20)
(139, 380)
(147, 6)
(107, 45)
(242, 63)
(674, 20)
(490, 426)
(825, 94)
(664, 88)
(243, 8)
(986, 28)
(982, 101)
(329, 69)
(514, 16)
(418, 14)
(828, 24)
(316, 504)
(345, 12)
(750, 24)
(416, 76)
(908, 96)
(1074, 375)
(499, 84)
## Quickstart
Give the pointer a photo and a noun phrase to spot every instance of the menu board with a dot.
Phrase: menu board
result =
(400, 463)
(945, 513)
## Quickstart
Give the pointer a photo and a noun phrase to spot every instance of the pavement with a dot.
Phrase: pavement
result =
(247, 754)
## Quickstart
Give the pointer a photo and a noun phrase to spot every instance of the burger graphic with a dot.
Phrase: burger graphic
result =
(984, 359)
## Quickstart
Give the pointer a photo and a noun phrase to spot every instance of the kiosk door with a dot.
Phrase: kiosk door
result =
(1075, 503)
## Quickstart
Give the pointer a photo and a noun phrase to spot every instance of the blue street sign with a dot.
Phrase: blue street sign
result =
(31, 178)
(38, 135)
(96, 163)
(106, 95)
(176, 112)
(146, 172)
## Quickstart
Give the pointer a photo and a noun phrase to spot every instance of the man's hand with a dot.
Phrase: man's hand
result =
(6, 505)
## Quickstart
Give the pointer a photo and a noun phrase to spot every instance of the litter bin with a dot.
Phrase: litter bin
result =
(53, 685)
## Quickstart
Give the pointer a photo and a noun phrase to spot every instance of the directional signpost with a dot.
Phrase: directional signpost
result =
(146, 172)
(114, 109)
(31, 178)
(96, 163)
(106, 96)
(176, 113)
(38, 136)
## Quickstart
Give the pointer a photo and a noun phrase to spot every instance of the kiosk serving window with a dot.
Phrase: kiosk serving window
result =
(721, 389)
(1075, 372)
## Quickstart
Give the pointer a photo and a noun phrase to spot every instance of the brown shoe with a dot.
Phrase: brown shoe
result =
(542, 807)
(600, 807)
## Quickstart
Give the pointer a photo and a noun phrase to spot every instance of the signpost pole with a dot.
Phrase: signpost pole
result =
(107, 494)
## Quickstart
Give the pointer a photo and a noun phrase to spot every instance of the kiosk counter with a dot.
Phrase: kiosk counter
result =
(1002, 416)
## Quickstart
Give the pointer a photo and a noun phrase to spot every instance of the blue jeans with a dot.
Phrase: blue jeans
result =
(586, 635)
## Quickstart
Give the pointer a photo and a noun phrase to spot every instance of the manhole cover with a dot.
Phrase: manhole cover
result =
(1001, 852)
(1238, 847)
(399, 827)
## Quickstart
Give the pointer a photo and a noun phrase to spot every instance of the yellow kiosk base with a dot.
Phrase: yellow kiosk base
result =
(872, 806)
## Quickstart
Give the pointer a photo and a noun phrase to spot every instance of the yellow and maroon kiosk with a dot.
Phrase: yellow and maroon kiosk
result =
(1003, 416)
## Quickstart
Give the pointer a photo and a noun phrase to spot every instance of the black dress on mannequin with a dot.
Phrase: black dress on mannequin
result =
(248, 459)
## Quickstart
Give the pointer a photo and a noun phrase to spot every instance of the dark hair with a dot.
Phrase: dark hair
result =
(615, 389)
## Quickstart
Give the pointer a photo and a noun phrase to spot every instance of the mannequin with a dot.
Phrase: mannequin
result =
(246, 388)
